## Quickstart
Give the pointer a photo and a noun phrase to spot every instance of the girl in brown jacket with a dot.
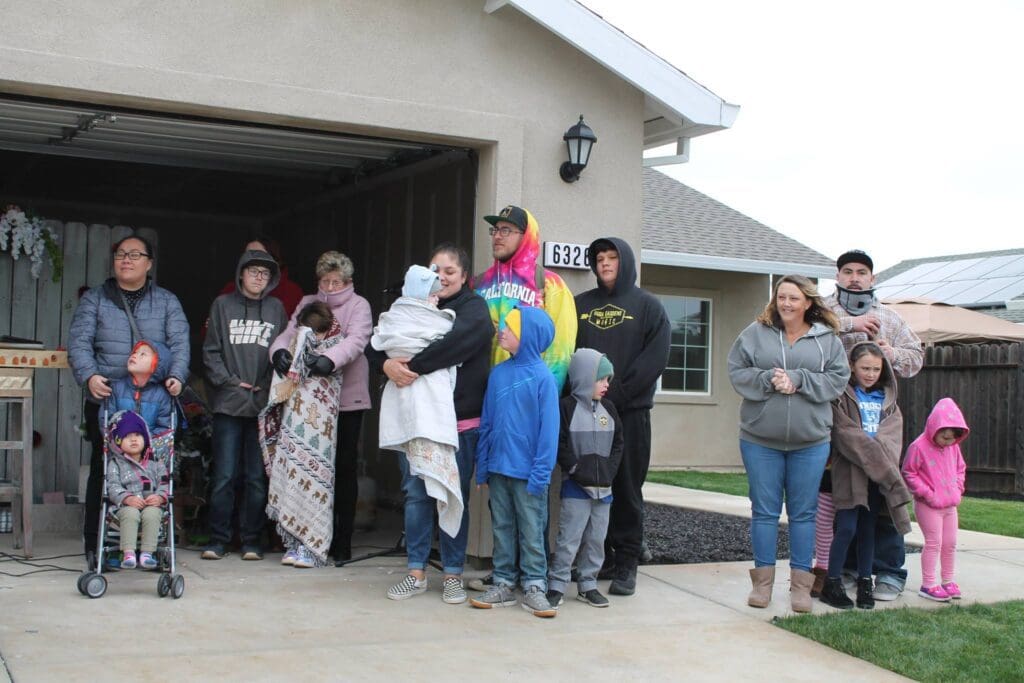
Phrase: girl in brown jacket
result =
(867, 439)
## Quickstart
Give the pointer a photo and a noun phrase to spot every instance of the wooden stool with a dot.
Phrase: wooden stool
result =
(16, 389)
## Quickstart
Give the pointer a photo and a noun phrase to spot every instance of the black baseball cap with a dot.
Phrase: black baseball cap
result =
(513, 214)
(855, 256)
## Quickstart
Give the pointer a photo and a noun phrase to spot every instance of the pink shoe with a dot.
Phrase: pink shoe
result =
(935, 593)
(128, 561)
(952, 590)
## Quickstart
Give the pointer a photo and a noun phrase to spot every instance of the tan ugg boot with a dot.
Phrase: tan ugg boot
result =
(763, 578)
(800, 583)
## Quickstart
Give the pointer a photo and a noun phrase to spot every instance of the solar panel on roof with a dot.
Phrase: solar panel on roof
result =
(953, 269)
(916, 274)
(1014, 268)
(986, 267)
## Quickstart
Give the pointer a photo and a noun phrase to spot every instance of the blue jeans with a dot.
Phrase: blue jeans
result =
(855, 524)
(518, 520)
(420, 508)
(236, 453)
(772, 473)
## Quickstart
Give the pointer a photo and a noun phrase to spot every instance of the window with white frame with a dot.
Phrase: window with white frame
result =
(689, 359)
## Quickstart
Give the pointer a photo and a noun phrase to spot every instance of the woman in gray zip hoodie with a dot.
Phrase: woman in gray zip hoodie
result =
(788, 365)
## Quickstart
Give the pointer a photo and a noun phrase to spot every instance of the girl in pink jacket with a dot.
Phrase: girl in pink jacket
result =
(935, 470)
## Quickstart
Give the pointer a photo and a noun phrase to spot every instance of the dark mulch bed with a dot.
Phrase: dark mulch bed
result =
(681, 536)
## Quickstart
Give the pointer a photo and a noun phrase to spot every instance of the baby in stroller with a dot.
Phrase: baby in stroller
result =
(137, 484)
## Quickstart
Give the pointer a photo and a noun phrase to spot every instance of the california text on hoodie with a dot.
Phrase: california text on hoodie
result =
(937, 475)
(817, 365)
(467, 345)
(236, 346)
(506, 285)
(353, 315)
(630, 326)
(859, 458)
(151, 400)
(519, 424)
(590, 440)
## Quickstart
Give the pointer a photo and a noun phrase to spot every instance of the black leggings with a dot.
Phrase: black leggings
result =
(346, 485)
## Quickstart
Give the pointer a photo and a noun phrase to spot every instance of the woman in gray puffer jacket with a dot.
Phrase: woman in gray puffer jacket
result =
(101, 338)
(788, 365)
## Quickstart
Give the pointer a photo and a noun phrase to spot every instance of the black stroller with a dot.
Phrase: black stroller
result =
(92, 582)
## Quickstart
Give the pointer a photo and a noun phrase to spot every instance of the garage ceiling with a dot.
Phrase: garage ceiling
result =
(103, 133)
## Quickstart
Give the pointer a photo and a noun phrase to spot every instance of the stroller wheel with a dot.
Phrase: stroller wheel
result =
(163, 585)
(95, 586)
(82, 578)
(178, 586)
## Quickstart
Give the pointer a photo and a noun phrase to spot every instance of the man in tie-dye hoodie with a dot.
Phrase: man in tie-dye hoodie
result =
(517, 279)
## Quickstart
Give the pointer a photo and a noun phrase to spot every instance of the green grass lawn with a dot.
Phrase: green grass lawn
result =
(1003, 517)
(975, 643)
(735, 484)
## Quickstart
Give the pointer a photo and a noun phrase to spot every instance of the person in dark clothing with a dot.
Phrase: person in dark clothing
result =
(243, 323)
(101, 338)
(629, 325)
(467, 345)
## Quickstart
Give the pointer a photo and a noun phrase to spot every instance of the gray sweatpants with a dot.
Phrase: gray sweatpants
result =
(582, 526)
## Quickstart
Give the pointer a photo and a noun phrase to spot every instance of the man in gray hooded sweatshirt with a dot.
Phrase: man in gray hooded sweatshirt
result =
(243, 324)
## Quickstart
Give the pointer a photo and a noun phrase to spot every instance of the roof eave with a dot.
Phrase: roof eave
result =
(688, 107)
(656, 257)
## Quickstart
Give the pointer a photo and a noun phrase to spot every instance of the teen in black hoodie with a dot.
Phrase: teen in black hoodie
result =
(629, 325)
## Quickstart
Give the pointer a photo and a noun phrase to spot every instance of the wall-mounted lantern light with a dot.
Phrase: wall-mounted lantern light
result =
(580, 140)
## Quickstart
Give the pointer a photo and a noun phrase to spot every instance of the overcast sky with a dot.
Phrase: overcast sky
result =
(895, 127)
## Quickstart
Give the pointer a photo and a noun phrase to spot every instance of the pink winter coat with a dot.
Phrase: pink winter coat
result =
(936, 475)
(353, 314)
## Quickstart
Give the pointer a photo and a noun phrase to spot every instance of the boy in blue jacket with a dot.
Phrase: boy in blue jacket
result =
(142, 390)
(516, 452)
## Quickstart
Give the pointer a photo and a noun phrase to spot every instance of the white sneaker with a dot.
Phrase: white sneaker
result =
(289, 558)
(303, 559)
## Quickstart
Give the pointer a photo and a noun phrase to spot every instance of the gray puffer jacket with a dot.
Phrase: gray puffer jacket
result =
(817, 365)
(100, 337)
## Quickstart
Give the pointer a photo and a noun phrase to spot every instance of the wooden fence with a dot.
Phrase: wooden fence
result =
(987, 382)
(41, 309)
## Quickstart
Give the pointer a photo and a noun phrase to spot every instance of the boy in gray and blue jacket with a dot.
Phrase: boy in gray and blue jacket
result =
(589, 453)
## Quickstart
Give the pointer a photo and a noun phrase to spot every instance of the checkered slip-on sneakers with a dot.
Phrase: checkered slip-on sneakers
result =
(407, 588)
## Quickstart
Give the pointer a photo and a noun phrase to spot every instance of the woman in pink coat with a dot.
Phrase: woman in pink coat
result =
(334, 273)
(935, 473)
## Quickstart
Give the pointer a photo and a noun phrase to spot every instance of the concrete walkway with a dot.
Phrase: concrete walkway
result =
(259, 621)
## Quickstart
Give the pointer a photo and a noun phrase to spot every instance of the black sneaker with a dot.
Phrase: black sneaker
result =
(865, 597)
(481, 585)
(555, 598)
(593, 598)
(835, 595)
(624, 582)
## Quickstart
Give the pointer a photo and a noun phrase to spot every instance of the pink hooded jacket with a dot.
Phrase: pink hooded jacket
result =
(936, 475)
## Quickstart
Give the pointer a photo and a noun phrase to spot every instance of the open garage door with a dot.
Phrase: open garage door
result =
(202, 188)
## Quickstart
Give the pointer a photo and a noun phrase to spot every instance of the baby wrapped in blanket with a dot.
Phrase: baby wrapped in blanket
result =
(419, 419)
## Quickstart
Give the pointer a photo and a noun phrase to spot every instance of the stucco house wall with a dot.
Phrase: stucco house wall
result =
(440, 71)
(696, 431)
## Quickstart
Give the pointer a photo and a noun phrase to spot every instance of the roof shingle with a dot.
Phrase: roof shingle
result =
(678, 218)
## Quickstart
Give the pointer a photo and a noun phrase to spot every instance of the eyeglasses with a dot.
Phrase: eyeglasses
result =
(130, 255)
(504, 231)
(259, 273)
